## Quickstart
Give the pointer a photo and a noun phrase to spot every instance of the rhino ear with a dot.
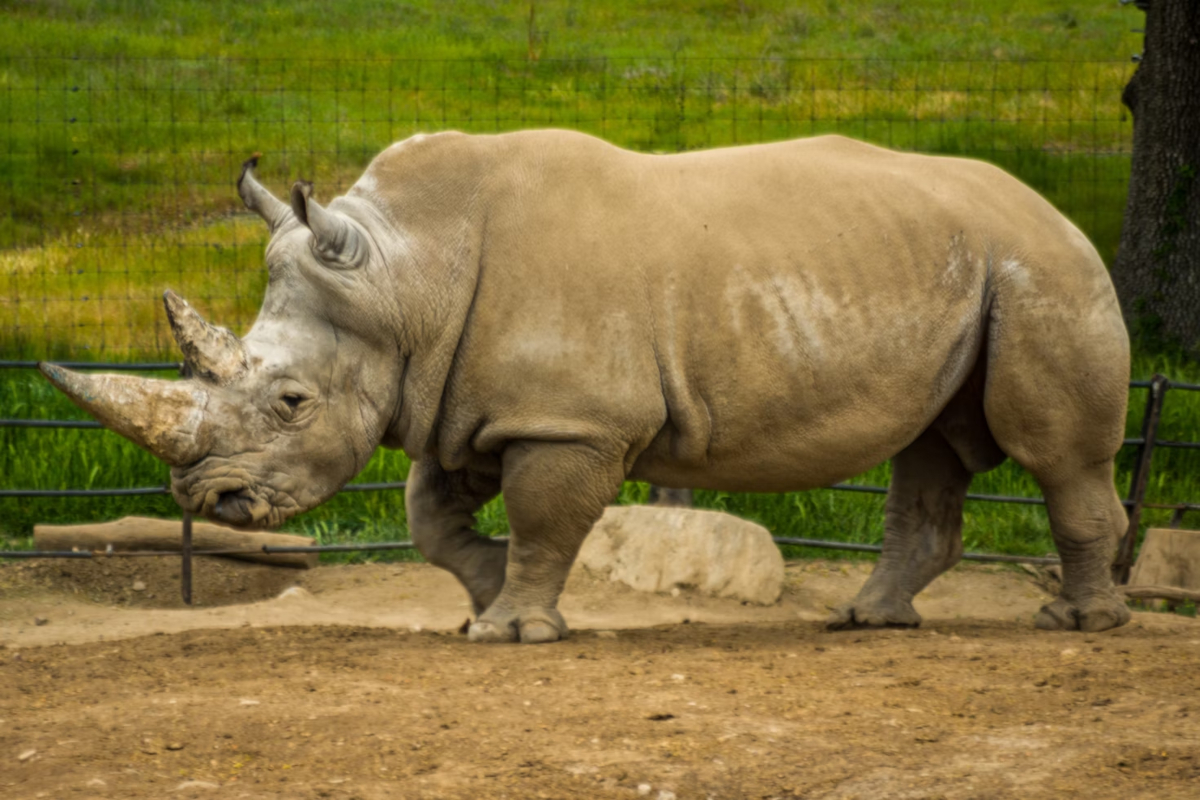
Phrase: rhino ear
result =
(258, 199)
(337, 242)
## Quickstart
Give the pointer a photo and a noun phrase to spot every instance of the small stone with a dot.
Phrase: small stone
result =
(138, 586)
(666, 794)
(248, 702)
(39, 621)
(28, 754)
(606, 634)
(643, 790)
(96, 783)
(175, 746)
(186, 785)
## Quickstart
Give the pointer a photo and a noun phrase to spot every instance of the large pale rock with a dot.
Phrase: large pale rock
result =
(1169, 557)
(657, 549)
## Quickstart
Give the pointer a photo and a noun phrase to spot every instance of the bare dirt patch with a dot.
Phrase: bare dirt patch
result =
(737, 702)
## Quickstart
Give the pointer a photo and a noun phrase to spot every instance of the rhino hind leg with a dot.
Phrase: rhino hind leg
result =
(1056, 406)
(554, 494)
(1086, 520)
(922, 535)
(441, 514)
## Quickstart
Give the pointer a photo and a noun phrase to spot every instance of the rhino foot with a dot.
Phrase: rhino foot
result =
(876, 614)
(1096, 614)
(532, 626)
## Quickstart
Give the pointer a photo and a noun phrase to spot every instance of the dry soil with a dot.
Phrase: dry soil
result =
(356, 684)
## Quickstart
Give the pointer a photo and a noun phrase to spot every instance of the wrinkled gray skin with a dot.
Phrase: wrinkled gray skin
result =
(544, 315)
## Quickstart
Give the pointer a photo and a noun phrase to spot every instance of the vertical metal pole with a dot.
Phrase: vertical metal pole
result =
(1141, 476)
(185, 571)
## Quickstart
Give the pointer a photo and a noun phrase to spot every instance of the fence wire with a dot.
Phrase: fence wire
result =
(118, 173)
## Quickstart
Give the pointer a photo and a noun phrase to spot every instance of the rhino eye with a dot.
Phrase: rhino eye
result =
(289, 405)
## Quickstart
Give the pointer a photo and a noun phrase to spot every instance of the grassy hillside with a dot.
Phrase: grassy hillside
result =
(507, 29)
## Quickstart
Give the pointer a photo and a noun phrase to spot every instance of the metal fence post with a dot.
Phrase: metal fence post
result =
(1141, 476)
(185, 569)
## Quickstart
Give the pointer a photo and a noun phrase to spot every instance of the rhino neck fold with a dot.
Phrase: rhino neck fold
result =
(439, 227)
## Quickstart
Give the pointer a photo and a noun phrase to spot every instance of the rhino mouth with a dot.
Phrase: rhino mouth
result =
(232, 499)
(237, 508)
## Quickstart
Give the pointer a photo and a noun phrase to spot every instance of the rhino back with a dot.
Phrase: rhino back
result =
(770, 317)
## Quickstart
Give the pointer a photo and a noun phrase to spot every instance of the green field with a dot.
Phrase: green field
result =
(122, 126)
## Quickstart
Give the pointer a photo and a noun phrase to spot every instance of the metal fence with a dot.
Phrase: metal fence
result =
(117, 174)
(1146, 444)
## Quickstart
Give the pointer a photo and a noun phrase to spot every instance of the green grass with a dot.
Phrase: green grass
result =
(123, 124)
(57, 459)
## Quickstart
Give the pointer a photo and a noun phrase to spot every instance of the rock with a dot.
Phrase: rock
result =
(40, 621)
(1169, 557)
(138, 586)
(643, 789)
(186, 785)
(96, 783)
(658, 549)
(28, 754)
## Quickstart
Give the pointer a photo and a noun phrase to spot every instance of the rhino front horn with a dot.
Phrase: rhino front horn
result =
(164, 417)
(258, 199)
(336, 240)
(214, 354)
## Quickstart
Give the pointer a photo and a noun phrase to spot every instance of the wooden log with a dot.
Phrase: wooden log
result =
(143, 533)
(1161, 593)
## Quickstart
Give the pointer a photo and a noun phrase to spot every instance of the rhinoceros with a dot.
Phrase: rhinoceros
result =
(545, 315)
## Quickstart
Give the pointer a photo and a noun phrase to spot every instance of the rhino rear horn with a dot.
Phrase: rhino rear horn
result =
(213, 354)
(258, 199)
(337, 242)
(164, 417)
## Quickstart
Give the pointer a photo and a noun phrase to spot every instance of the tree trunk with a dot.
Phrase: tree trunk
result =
(1157, 271)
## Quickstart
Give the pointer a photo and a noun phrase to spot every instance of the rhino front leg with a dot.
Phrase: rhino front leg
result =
(554, 494)
(922, 535)
(441, 514)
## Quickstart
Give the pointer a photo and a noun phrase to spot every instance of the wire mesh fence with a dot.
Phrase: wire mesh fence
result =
(118, 174)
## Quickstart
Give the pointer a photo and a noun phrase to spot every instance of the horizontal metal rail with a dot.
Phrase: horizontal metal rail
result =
(347, 548)
(153, 366)
(141, 490)
(987, 498)
(875, 548)
(49, 423)
(153, 490)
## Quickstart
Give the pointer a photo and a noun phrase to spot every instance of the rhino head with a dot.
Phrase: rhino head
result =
(272, 424)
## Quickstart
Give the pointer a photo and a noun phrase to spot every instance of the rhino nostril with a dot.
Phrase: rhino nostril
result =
(235, 508)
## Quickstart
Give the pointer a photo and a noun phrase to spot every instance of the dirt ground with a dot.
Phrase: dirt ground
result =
(356, 684)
